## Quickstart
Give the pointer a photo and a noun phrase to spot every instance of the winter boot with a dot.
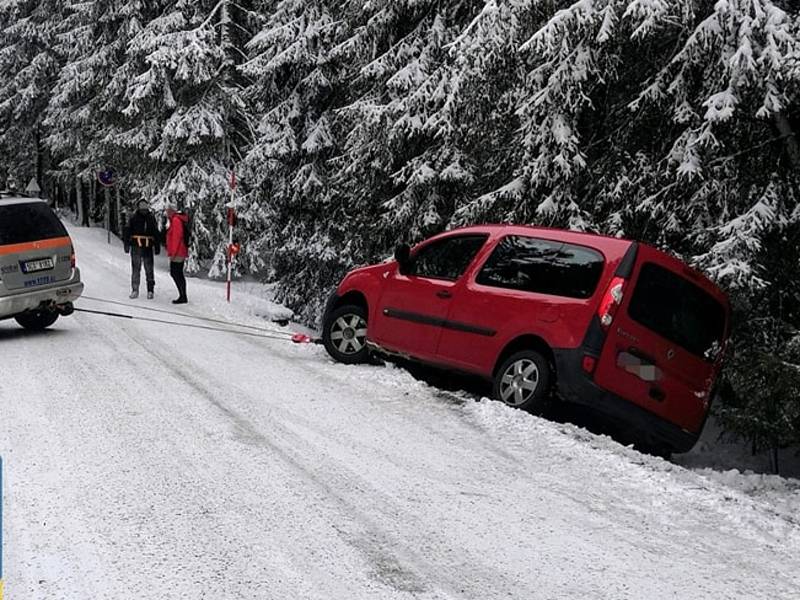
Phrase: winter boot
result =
(181, 300)
(134, 295)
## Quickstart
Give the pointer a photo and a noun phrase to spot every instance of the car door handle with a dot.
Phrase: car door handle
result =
(444, 294)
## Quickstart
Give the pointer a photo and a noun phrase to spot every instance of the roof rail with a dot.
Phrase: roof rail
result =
(12, 194)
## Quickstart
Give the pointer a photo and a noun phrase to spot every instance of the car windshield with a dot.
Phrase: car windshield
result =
(678, 310)
(28, 222)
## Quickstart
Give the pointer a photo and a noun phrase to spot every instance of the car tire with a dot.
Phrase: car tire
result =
(37, 320)
(523, 381)
(344, 334)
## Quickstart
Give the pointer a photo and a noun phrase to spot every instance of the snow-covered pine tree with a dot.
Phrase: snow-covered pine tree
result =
(763, 404)
(29, 65)
(345, 144)
(480, 115)
(286, 167)
(189, 117)
(86, 130)
(386, 167)
(637, 116)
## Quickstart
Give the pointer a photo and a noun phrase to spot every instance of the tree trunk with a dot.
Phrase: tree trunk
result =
(790, 139)
(107, 198)
(773, 460)
(118, 206)
(79, 202)
(92, 199)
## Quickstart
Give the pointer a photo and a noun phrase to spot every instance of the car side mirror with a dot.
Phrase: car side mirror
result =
(402, 254)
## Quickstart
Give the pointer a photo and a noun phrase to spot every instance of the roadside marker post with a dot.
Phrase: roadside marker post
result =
(231, 222)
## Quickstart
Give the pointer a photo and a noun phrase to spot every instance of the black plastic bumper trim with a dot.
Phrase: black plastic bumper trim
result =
(576, 386)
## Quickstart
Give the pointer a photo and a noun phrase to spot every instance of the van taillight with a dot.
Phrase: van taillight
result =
(72, 260)
(611, 302)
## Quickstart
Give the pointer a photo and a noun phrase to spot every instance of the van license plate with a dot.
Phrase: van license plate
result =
(33, 266)
(643, 369)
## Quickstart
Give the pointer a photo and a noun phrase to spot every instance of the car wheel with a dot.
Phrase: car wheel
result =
(523, 381)
(345, 334)
(37, 320)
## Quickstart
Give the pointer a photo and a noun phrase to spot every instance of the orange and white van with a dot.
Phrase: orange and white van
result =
(39, 280)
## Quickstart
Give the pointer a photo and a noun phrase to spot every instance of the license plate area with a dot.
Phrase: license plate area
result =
(37, 265)
(639, 366)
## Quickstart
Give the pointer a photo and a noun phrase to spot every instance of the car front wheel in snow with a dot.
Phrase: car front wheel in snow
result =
(523, 381)
(37, 320)
(345, 334)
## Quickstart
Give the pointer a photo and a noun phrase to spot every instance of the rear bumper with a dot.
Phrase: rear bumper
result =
(575, 386)
(18, 301)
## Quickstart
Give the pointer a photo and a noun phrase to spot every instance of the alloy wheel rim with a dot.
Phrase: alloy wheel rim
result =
(519, 382)
(349, 334)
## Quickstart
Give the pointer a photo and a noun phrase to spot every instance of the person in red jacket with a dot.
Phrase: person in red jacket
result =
(177, 251)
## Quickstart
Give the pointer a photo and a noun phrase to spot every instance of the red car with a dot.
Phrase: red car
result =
(614, 324)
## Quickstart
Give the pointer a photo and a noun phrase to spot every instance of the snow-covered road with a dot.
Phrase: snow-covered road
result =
(148, 461)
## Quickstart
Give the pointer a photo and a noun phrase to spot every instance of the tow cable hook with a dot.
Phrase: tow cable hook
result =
(65, 309)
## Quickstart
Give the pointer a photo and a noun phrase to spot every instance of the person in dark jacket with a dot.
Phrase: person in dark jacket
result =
(177, 251)
(141, 239)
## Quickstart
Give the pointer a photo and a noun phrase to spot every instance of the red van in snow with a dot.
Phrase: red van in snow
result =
(613, 324)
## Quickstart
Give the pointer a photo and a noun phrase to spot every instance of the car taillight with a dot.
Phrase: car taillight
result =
(612, 300)
(72, 261)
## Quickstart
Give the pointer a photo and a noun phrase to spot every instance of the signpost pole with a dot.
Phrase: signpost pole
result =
(107, 194)
(106, 179)
(231, 220)
(118, 211)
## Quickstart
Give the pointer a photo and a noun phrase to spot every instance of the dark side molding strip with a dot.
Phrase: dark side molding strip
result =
(437, 322)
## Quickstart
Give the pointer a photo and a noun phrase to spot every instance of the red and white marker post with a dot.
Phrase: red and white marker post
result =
(233, 249)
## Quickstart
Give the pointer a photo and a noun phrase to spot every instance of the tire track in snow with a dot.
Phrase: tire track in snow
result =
(389, 573)
(394, 563)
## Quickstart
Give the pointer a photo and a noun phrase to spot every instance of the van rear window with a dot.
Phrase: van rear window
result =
(29, 222)
(678, 310)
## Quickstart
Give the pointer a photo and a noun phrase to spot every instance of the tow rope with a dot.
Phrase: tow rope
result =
(260, 332)
(281, 322)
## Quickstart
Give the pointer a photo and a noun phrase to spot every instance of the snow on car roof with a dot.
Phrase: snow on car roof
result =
(6, 200)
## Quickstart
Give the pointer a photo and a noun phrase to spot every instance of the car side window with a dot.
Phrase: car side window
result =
(447, 258)
(543, 266)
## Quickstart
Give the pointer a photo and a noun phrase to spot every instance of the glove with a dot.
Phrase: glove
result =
(127, 249)
(157, 250)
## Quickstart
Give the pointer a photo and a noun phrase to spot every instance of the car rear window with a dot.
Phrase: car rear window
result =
(543, 266)
(29, 222)
(678, 310)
